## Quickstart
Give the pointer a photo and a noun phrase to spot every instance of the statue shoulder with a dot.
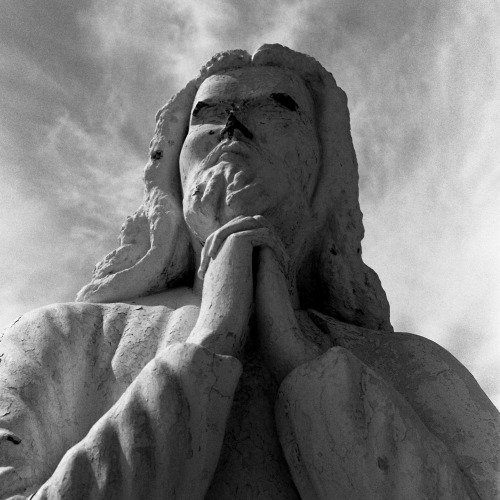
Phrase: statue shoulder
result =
(173, 298)
(439, 388)
(67, 317)
(394, 354)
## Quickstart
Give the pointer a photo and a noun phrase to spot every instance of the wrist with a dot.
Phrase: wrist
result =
(218, 341)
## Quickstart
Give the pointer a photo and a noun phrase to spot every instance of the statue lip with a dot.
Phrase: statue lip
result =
(235, 146)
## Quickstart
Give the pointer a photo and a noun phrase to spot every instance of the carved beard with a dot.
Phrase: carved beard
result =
(221, 194)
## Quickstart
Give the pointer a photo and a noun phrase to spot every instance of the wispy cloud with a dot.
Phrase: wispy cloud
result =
(81, 82)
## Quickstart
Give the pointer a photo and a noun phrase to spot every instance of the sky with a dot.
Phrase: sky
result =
(81, 82)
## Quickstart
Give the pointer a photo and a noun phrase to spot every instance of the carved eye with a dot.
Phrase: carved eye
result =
(206, 112)
(286, 101)
(199, 106)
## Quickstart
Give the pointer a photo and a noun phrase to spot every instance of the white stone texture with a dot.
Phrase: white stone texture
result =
(348, 434)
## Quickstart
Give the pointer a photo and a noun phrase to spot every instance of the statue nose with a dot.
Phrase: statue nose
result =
(233, 124)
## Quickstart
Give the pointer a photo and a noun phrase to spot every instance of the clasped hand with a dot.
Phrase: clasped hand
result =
(233, 290)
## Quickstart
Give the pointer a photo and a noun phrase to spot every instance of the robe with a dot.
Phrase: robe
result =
(108, 401)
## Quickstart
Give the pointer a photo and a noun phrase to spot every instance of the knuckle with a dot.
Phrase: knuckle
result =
(234, 236)
(262, 221)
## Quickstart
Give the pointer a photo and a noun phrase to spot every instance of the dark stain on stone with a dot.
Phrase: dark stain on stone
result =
(157, 155)
(232, 124)
(13, 438)
(286, 101)
(383, 464)
(199, 106)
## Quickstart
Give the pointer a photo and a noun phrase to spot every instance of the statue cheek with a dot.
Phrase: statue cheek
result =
(198, 144)
(185, 161)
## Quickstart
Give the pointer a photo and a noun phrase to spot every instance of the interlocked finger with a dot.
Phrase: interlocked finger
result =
(255, 229)
(237, 225)
(217, 238)
(266, 236)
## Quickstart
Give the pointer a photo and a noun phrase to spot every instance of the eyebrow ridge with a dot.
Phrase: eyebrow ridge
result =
(284, 99)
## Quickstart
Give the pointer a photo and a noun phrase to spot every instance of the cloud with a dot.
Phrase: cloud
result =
(69, 188)
(81, 83)
(429, 178)
(58, 226)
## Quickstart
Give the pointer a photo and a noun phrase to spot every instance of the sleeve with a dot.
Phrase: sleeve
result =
(346, 433)
(162, 438)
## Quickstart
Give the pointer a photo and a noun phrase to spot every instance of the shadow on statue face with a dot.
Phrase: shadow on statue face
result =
(251, 149)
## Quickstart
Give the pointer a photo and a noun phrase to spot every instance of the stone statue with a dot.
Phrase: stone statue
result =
(235, 345)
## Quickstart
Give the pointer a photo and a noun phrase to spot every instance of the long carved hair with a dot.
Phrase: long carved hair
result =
(155, 254)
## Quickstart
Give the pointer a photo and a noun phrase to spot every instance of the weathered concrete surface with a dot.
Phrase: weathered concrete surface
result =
(62, 367)
(162, 439)
(439, 388)
(102, 349)
(348, 434)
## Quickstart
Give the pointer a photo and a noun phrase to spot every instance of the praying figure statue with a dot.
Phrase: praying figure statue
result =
(235, 345)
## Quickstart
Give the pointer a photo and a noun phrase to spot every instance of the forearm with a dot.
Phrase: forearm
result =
(225, 312)
(160, 438)
(282, 341)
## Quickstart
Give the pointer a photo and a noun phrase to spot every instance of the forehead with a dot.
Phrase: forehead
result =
(253, 83)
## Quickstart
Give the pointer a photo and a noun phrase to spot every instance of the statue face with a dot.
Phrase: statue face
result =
(251, 149)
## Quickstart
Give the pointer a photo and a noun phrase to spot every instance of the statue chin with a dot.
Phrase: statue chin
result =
(221, 194)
